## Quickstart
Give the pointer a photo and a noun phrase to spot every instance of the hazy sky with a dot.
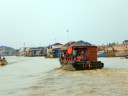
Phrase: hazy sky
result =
(44, 22)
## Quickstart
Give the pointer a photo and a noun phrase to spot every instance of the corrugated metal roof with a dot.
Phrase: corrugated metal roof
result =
(82, 43)
(78, 43)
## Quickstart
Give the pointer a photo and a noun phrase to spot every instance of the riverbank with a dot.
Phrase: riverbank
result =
(120, 50)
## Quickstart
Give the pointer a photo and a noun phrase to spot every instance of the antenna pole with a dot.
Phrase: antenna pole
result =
(68, 34)
(24, 44)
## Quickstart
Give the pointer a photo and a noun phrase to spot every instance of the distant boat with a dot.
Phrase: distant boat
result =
(106, 55)
(126, 57)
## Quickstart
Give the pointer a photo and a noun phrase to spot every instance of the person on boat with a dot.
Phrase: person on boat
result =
(78, 58)
(82, 56)
(70, 57)
(113, 49)
(62, 56)
(4, 58)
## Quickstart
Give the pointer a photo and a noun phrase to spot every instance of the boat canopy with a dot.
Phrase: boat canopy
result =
(69, 50)
(54, 47)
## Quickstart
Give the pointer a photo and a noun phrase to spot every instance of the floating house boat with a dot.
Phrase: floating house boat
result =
(53, 51)
(32, 52)
(56, 52)
(79, 55)
(21, 52)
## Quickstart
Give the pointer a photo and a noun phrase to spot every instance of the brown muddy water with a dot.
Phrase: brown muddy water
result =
(37, 76)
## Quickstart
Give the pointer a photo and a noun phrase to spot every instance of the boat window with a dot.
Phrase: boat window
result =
(74, 53)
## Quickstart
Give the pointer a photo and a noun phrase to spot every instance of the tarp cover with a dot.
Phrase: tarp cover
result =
(70, 51)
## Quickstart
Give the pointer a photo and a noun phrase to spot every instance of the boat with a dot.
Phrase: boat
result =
(53, 53)
(79, 55)
(3, 62)
(126, 57)
(106, 55)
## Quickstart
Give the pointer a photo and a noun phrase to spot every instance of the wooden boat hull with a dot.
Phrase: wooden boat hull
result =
(3, 62)
(81, 65)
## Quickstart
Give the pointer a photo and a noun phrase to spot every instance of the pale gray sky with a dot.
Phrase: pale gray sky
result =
(40, 22)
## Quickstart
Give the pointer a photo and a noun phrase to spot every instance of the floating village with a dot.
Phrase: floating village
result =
(76, 55)
(64, 48)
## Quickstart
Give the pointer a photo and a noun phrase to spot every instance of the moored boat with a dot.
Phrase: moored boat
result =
(126, 57)
(79, 55)
(106, 55)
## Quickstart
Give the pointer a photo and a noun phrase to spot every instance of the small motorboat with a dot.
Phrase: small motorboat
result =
(3, 62)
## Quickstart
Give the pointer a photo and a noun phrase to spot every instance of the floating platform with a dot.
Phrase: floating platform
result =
(81, 65)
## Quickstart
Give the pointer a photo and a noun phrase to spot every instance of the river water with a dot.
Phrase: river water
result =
(37, 76)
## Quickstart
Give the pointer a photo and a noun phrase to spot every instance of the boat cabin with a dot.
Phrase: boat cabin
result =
(79, 51)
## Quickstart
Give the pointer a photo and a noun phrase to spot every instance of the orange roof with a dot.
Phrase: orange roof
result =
(57, 44)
